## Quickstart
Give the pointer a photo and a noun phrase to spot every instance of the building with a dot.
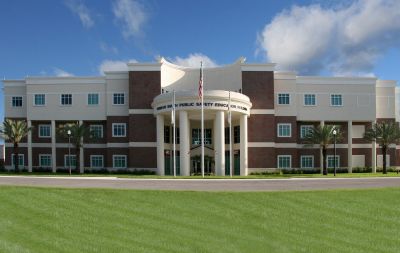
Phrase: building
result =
(130, 111)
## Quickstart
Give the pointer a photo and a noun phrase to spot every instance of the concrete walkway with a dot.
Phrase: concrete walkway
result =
(203, 184)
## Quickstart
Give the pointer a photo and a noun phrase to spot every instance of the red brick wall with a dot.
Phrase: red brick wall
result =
(259, 87)
(143, 128)
(261, 128)
(143, 87)
(261, 158)
(143, 157)
(286, 119)
(117, 119)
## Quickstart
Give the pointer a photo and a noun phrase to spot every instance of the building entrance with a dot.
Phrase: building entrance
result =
(236, 163)
(169, 163)
(196, 165)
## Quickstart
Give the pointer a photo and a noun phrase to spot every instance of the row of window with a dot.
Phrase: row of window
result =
(96, 161)
(310, 99)
(66, 99)
(118, 130)
(306, 161)
(285, 130)
(196, 135)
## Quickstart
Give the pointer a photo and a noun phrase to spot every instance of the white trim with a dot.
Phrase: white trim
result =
(34, 99)
(94, 145)
(290, 161)
(258, 67)
(120, 124)
(143, 144)
(306, 156)
(102, 162)
(126, 161)
(44, 125)
(65, 80)
(283, 93)
(97, 125)
(341, 97)
(40, 161)
(125, 97)
(117, 145)
(285, 145)
(141, 111)
(262, 111)
(261, 144)
(304, 99)
(290, 130)
(320, 80)
(66, 105)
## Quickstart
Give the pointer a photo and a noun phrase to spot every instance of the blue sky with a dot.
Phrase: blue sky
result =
(83, 38)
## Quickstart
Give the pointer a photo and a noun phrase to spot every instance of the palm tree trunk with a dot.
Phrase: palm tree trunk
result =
(325, 171)
(16, 169)
(384, 159)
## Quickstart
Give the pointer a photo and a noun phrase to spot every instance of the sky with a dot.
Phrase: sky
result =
(311, 37)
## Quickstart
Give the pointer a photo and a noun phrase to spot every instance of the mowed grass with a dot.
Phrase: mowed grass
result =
(98, 220)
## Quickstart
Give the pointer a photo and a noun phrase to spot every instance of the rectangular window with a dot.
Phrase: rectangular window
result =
(305, 130)
(69, 159)
(307, 161)
(119, 130)
(236, 134)
(45, 160)
(44, 131)
(17, 101)
(309, 99)
(96, 161)
(227, 139)
(118, 99)
(331, 161)
(119, 161)
(336, 100)
(96, 131)
(284, 161)
(285, 130)
(20, 159)
(177, 134)
(167, 134)
(93, 99)
(39, 100)
(66, 99)
(283, 99)
(196, 136)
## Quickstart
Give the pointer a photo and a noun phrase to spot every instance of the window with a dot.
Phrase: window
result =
(309, 99)
(177, 134)
(45, 160)
(196, 136)
(284, 161)
(119, 130)
(307, 161)
(305, 130)
(331, 161)
(93, 99)
(44, 131)
(167, 134)
(336, 100)
(70, 159)
(119, 99)
(39, 100)
(17, 101)
(284, 130)
(20, 159)
(227, 139)
(96, 161)
(96, 131)
(119, 161)
(236, 134)
(66, 99)
(283, 99)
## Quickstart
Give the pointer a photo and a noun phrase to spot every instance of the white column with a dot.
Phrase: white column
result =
(53, 146)
(184, 154)
(160, 145)
(350, 146)
(373, 158)
(81, 155)
(30, 147)
(219, 143)
(321, 159)
(243, 145)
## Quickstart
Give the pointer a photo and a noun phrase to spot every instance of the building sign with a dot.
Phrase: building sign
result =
(207, 105)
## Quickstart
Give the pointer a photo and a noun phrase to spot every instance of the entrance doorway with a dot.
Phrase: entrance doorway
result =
(196, 165)
(236, 163)
(169, 163)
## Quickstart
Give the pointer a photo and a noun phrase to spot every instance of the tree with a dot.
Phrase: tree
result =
(384, 133)
(323, 136)
(78, 133)
(14, 131)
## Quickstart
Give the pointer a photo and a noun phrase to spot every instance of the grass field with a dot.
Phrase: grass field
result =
(97, 220)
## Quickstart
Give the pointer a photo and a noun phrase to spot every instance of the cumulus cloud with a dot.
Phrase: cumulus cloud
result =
(114, 65)
(344, 40)
(107, 48)
(193, 61)
(80, 9)
(131, 14)
(61, 73)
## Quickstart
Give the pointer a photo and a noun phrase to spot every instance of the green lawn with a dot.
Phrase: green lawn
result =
(98, 220)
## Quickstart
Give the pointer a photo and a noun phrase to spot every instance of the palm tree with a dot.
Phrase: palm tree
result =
(78, 133)
(384, 133)
(14, 131)
(323, 136)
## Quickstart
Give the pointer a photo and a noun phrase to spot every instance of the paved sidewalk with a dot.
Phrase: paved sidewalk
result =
(203, 184)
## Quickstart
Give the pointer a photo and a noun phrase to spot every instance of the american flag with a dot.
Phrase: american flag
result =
(201, 82)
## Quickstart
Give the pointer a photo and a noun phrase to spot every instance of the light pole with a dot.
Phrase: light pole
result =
(69, 150)
(334, 132)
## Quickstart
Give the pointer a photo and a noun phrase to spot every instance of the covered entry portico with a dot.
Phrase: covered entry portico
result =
(216, 134)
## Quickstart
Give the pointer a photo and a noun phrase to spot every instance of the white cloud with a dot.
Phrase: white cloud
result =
(61, 73)
(111, 65)
(108, 49)
(341, 39)
(132, 16)
(193, 61)
(79, 8)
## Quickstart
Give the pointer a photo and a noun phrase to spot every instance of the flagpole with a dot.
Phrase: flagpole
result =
(230, 135)
(202, 119)
(174, 133)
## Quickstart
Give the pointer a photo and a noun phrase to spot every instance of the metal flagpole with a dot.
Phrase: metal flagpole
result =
(202, 118)
(230, 136)
(174, 132)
